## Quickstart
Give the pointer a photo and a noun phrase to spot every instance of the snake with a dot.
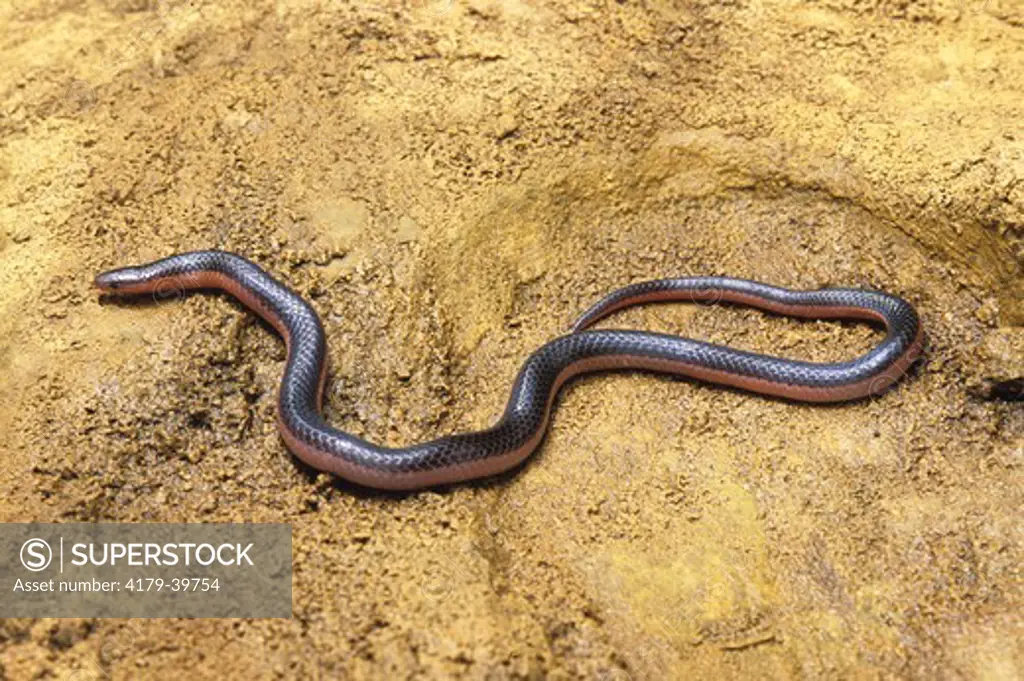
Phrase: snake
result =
(521, 428)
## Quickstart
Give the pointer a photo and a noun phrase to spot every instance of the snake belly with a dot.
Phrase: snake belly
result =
(521, 428)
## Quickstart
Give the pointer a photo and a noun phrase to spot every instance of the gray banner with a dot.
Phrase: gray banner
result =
(145, 570)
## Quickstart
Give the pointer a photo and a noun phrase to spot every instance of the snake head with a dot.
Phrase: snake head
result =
(122, 280)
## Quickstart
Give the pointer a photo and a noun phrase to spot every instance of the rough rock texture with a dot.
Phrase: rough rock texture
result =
(999, 369)
(450, 182)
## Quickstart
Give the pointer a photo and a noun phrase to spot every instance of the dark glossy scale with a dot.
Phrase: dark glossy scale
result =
(902, 321)
(526, 413)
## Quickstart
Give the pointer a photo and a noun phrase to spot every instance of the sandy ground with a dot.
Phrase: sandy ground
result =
(451, 182)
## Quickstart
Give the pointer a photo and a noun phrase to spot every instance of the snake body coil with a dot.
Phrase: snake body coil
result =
(522, 426)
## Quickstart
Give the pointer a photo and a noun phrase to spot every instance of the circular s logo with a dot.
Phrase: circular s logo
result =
(36, 555)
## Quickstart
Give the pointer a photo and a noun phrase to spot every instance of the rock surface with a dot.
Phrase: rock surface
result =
(451, 182)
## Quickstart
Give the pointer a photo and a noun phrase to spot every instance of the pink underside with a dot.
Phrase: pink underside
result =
(325, 461)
